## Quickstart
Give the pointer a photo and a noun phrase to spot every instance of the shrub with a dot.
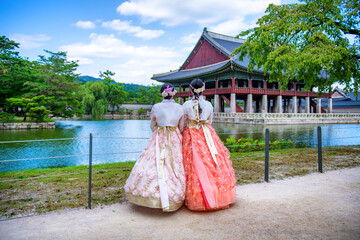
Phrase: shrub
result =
(6, 117)
(248, 144)
(142, 111)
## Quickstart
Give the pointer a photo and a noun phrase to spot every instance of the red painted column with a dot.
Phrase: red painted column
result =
(216, 85)
(250, 85)
(265, 87)
(233, 84)
(180, 97)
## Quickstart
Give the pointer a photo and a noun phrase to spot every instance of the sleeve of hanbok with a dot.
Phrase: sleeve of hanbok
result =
(210, 118)
(182, 123)
(185, 118)
(153, 123)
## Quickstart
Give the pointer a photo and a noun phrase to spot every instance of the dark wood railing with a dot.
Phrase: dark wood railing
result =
(256, 91)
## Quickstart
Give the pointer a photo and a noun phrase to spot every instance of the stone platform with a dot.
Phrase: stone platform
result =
(288, 118)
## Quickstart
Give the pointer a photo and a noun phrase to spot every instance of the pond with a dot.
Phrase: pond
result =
(123, 140)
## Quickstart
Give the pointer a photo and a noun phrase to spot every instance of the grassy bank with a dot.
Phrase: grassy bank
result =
(36, 191)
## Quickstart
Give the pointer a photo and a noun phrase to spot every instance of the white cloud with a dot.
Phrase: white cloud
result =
(30, 42)
(202, 12)
(187, 50)
(125, 26)
(130, 63)
(85, 24)
(191, 38)
(82, 60)
(108, 46)
(233, 26)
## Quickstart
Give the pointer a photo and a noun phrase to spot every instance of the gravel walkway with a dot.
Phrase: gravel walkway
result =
(316, 206)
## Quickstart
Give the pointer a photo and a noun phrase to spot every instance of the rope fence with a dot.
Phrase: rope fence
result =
(266, 144)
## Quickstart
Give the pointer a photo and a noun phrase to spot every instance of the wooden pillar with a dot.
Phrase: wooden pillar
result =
(307, 104)
(233, 102)
(249, 108)
(180, 100)
(265, 87)
(279, 104)
(233, 84)
(216, 103)
(294, 104)
(318, 105)
(330, 105)
(264, 104)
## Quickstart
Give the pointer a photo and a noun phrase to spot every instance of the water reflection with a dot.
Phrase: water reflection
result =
(108, 139)
(300, 135)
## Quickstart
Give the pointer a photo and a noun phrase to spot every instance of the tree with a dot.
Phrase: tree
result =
(14, 71)
(56, 78)
(35, 107)
(306, 42)
(94, 99)
(149, 95)
(115, 93)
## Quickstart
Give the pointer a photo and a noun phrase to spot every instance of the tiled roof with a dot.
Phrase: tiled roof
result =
(349, 101)
(223, 43)
(181, 74)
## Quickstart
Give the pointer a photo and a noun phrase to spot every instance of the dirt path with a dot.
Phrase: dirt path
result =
(316, 206)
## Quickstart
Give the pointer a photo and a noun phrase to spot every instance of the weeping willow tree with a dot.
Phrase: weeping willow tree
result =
(98, 96)
(94, 99)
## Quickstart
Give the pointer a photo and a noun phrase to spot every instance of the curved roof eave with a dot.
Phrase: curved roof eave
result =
(182, 75)
(193, 73)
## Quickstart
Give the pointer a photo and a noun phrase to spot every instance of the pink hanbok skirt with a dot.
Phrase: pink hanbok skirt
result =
(208, 187)
(154, 183)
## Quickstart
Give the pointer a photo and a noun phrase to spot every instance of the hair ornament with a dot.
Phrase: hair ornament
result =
(198, 90)
(168, 91)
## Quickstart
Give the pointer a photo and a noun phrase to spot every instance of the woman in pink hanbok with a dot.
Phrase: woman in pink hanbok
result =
(157, 179)
(210, 177)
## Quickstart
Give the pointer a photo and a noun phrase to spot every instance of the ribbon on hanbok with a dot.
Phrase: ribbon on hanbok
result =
(209, 140)
(160, 161)
(197, 123)
(208, 191)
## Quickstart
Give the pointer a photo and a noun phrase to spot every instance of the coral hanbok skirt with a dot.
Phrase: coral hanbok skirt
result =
(210, 184)
(157, 179)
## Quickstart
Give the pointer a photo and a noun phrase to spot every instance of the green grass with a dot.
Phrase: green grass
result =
(42, 190)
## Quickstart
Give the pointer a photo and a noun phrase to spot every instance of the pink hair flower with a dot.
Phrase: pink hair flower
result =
(168, 89)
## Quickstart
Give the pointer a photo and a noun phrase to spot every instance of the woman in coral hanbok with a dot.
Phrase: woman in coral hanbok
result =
(157, 179)
(210, 177)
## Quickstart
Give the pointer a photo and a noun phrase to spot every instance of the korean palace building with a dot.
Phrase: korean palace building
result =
(227, 80)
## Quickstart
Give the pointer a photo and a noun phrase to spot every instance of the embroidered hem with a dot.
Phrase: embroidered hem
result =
(153, 202)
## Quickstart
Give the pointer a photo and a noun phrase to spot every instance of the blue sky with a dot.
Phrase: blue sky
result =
(134, 38)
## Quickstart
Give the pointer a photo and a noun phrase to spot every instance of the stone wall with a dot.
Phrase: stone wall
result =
(27, 125)
(287, 118)
(134, 115)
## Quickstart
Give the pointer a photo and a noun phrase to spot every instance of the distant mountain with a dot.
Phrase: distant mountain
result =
(127, 86)
(85, 79)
